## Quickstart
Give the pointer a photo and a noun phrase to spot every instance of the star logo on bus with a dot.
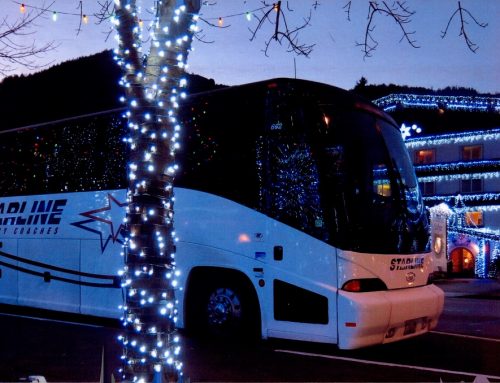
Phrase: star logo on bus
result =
(106, 222)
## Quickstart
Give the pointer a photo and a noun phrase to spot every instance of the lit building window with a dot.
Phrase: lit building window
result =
(472, 152)
(384, 190)
(425, 156)
(474, 218)
(381, 183)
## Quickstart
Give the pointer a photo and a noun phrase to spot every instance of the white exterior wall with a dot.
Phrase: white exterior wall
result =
(491, 149)
(447, 187)
(447, 153)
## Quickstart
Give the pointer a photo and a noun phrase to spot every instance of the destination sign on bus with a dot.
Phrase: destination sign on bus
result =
(407, 263)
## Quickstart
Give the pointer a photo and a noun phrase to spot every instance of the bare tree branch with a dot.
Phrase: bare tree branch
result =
(283, 34)
(105, 12)
(347, 8)
(201, 37)
(398, 12)
(463, 13)
(14, 53)
(80, 7)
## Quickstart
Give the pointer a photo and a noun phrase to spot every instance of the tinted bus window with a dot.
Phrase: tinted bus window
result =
(83, 154)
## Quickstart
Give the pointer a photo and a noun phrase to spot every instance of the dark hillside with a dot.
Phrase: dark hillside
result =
(76, 87)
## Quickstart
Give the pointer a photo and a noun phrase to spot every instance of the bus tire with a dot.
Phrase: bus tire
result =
(222, 304)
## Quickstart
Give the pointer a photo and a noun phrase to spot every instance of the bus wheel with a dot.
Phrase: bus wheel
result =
(222, 305)
(224, 311)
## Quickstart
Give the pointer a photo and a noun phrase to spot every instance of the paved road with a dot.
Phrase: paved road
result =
(431, 358)
(69, 352)
(472, 307)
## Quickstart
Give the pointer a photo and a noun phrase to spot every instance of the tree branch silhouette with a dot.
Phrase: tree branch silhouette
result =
(14, 53)
(463, 13)
(398, 12)
(283, 34)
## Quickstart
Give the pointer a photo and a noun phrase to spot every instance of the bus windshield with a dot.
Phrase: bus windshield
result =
(371, 196)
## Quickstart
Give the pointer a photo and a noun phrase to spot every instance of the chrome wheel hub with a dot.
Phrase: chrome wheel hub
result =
(223, 307)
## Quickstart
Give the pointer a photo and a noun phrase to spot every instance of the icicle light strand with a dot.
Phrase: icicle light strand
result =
(466, 103)
(453, 138)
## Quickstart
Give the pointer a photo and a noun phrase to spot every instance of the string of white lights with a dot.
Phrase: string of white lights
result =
(465, 197)
(458, 177)
(468, 103)
(453, 138)
(486, 233)
(154, 86)
(24, 7)
(462, 166)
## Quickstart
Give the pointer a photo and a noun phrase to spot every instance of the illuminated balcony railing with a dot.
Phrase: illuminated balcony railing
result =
(464, 103)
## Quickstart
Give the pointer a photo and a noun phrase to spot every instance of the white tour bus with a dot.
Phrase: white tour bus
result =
(297, 208)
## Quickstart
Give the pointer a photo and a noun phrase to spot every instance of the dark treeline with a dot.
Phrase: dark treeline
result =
(373, 92)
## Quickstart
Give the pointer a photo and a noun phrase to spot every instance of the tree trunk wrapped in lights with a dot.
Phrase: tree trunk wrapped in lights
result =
(153, 85)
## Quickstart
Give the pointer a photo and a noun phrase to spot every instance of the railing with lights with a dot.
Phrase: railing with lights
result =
(471, 199)
(453, 138)
(482, 233)
(465, 103)
(460, 167)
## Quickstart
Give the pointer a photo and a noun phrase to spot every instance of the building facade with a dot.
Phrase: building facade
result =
(459, 175)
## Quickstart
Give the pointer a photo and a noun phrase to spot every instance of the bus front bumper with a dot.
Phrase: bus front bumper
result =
(378, 317)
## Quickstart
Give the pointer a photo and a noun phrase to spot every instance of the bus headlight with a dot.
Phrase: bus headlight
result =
(364, 285)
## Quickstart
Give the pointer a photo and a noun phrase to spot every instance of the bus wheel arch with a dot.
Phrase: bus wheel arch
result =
(221, 303)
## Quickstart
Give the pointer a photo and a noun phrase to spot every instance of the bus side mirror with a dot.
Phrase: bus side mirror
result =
(278, 253)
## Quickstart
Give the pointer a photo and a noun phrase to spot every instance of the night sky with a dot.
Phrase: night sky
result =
(231, 58)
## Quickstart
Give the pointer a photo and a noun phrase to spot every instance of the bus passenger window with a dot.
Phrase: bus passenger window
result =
(289, 182)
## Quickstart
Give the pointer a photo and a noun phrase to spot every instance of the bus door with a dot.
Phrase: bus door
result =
(301, 279)
(301, 274)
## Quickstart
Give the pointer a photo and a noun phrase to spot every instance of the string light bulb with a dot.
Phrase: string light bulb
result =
(140, 22)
